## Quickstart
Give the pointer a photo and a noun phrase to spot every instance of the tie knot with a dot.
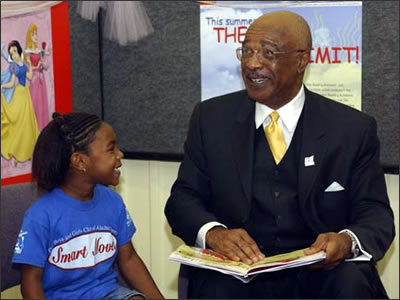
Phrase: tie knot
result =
(274, 116)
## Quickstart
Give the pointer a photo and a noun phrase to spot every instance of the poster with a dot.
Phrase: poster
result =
(334, 69)
(35, 81)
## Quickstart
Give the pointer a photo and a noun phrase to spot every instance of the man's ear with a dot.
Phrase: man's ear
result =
(302, 62)
(79, 162)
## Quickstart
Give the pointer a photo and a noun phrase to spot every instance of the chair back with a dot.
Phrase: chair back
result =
(15, 200)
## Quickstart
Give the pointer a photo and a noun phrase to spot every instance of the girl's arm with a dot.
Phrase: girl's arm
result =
(31, 282)
(136, 273)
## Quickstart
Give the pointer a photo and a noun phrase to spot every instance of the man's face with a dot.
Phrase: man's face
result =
(271, 79)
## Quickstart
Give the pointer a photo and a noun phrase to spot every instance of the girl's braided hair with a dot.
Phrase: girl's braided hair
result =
(64, 135)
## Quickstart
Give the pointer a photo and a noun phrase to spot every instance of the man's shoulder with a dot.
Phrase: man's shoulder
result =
(337, 110)
(226, 106)
(227, 99)
(232, 95)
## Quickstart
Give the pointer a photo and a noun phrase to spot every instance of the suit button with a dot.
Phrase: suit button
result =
(279, 217)
(276, 173)
(276, 194)
(278, 239)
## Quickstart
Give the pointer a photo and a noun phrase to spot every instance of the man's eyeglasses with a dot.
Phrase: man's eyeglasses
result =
(264, 54)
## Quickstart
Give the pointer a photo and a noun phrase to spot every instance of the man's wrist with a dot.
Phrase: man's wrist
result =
(210, 232)
(354, 249)
(201, 235)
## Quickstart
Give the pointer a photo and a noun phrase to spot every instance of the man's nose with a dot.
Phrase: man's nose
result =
(253, 62)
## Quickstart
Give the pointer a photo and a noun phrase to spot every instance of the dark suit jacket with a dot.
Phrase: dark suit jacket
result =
(215, 177)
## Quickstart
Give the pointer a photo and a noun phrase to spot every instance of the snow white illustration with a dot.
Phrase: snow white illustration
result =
(19, 129)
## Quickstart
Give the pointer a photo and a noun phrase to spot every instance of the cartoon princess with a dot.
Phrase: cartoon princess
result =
(19, 130)
(37, 85)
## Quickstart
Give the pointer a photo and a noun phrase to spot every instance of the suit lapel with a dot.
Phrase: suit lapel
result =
(313, 134)
(312, 145)
(243, 143)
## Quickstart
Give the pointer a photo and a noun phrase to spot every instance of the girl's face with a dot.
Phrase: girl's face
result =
(104, 157)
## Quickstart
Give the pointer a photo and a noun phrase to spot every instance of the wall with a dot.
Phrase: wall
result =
(85, 66)
(151, 87)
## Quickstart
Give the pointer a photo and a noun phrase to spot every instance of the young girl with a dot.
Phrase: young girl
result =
(72, 235)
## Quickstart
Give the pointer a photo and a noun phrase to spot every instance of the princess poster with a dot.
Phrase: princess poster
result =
(27, 86)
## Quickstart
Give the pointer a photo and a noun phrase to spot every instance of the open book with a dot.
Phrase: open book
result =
(208, 259)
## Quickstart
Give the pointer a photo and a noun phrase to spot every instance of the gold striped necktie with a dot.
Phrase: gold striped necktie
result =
(275, 137)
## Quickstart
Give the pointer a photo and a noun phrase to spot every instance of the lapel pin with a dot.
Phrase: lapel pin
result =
(309, 161)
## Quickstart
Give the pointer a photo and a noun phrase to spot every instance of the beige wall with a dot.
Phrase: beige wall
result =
(388, 267)
(145, 186)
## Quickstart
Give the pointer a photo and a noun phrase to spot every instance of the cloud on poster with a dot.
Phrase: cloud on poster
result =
(218, 59)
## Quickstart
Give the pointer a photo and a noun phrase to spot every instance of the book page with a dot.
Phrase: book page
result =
(208, 259)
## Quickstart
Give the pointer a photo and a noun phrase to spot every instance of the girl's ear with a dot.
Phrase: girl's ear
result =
(79, 162)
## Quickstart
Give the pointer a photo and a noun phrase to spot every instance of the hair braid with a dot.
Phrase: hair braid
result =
(67, 134)
(63, 136)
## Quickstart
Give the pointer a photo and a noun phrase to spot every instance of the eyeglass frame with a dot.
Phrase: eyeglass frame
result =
(275, 54)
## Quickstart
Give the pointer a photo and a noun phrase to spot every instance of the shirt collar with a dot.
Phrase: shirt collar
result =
(289, 113)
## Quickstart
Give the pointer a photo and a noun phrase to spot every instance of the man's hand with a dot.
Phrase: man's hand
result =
(236, 244)
(337, 248)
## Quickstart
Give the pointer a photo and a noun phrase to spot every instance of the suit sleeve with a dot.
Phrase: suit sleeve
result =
(371, 218)
(187, 207)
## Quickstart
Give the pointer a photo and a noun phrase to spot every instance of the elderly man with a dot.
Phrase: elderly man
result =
(276, 168)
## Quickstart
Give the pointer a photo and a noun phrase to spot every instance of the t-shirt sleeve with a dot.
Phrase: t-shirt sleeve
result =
(31, 246)
(126, 228)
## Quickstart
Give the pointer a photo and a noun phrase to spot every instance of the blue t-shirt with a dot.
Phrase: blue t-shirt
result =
(75, 242)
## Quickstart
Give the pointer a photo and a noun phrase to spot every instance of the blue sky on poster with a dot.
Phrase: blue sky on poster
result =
(331, 26)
